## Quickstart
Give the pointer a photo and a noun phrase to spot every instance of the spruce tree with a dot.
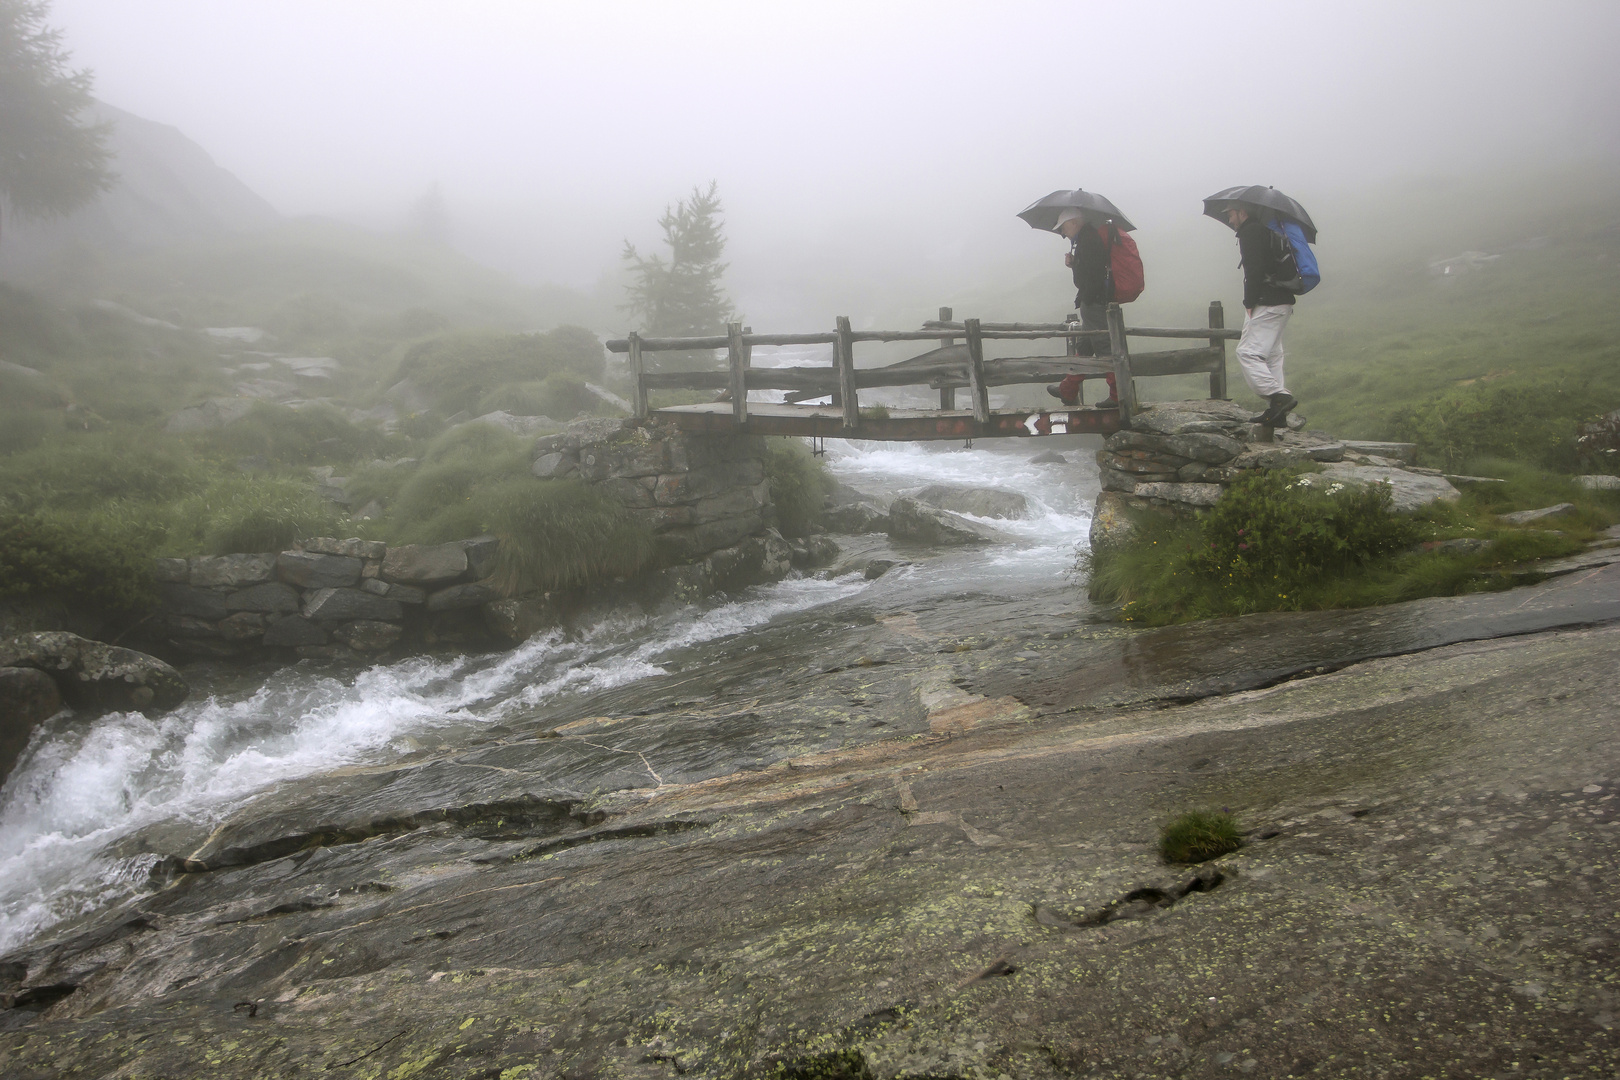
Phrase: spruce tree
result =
(682, 297)
(51, 162)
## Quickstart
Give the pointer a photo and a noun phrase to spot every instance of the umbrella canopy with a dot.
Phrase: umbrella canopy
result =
(1043, 213)
(1267, 200)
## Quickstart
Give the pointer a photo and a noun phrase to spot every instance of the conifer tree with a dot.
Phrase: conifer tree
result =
(51, 162)
(682, 297)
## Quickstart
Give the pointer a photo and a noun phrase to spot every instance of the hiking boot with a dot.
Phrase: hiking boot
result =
(1277, 413)
(1056, 391)
(1107, 403)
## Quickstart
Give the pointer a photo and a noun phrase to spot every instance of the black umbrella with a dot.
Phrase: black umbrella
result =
(1267, 200)
(1043, 213)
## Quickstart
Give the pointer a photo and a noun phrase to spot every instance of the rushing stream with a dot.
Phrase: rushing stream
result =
(81, 790)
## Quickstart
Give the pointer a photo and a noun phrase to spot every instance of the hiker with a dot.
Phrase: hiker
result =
(1088, 261)
(1267, 305)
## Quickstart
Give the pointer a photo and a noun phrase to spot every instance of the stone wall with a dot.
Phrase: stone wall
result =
(1179, 456)
(705, 497)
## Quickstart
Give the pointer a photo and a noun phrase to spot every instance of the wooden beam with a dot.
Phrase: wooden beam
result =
(933, 331)
(976, 387)
(1125, 391)
(844, 359)
(739, 373)
(947, 394)
(1217, 345)
(638, 377)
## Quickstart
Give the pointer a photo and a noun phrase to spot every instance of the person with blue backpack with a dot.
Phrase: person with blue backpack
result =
(1278, 265)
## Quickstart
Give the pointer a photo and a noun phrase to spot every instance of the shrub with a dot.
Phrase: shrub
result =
(1529, 422)
(86, 471)
(799, 483)
(79, 557)
(435, 504)
(1198, 836)
(458, 370)
(561, 395)
(287, 436)
(1288, 529)
(249, 513)
(559, 533)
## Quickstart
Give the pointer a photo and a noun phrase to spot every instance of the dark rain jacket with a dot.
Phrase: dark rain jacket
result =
(1090, 259)
(1260, 267)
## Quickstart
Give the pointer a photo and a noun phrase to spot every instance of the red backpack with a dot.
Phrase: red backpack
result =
(1125, 281)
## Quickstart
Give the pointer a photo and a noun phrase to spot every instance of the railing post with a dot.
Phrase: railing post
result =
(739, 374)
(947, 394)
(748, 350)
(844, 357)
(976, 388)
(1217, 378)
(1126, 390)
(638, 378)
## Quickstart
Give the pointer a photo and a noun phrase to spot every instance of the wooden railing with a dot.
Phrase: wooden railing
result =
(947, 368)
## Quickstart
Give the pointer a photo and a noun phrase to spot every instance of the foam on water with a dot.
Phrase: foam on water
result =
(82, 788)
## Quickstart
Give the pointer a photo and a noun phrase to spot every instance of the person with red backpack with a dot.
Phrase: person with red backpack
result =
(1106, 269)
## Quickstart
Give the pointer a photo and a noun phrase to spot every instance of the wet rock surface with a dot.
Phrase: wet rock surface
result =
(924, 849)
(97, 677)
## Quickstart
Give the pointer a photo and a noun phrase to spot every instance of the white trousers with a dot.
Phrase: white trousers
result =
(1260, 350)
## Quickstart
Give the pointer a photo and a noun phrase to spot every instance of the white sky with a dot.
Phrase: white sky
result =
(898, 134)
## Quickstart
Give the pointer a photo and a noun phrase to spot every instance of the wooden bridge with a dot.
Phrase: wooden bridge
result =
(948, 367)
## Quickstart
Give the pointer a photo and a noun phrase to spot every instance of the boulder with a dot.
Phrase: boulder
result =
(1051, 457)
(482, 551)
(233, 570)
(273, 597)
(1110, 524)
(855, 518)
(28, 697)
(407, 397)
(94, 676)
(688, 544)
(1395, 451)
(186, 600)
(518, 619)
(980, 502)
(333, 605)
(910, 520)
(174, 571)
(1188, 417)
(367, 635)
(209, 416)
(1207, 446)
(556, 463)
(292, 631)
(243, 626)
(1524, 517)
(815, 551)
(310, 570)
(354, 547)
(1408, 491)
(1599, 482)
(457, 597)
(755, 561)
(421, 564)
(1185, 494)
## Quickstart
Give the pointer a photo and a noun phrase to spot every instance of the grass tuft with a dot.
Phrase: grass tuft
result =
(799, 482)
(1198, 836)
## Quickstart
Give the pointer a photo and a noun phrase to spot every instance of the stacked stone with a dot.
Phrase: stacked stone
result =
(326, 598)
(699, 493)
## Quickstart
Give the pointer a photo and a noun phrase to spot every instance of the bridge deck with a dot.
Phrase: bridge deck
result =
(899, 425)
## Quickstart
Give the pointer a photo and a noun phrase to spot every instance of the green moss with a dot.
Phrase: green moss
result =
(1198, 836)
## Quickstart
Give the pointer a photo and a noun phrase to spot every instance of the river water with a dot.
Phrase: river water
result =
(83, 793)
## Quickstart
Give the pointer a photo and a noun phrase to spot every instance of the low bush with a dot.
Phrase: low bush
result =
(251, 513)
(458, 370)
(99, 563)
(559, 533)
(88, 470)
(435, 504)
(799, 482)
(315, 434)
(1198, 836)
(561, 395)
(1525, 421)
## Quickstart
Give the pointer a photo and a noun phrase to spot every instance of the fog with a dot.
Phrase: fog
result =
(858, 146)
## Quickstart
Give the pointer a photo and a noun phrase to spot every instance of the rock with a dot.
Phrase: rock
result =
(173, 571)
(235, 570)
(1295, 422)
(1599, 482)
(909, 520)
(1272, 457)
(1205, 446)
(755, 561)
(366, 635)
(1408, 491)
(340, 654)
(1186, 494)
(186, 600)
(375, 586)
(309, 570)
(819, 551)
(354, 547)
(520, 618)
(1051, 457)
(554, 464)
(419, 564)
(243, 626)
(274, 597)
(1524, 517)
(28, 697)
(1192, 472)
(95, 676)
(482, 552)
(844, 495)
(292, 631)
(407, 397)
(1110, 524)
(1186, 417)
(332, 605)
(1395, 451)
(876, 568)
(980, 502)
(856, 518)
(1455, 479)
(581, 433)
(457, 597)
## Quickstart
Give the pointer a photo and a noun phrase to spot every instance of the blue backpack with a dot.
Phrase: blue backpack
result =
(1297, 269)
